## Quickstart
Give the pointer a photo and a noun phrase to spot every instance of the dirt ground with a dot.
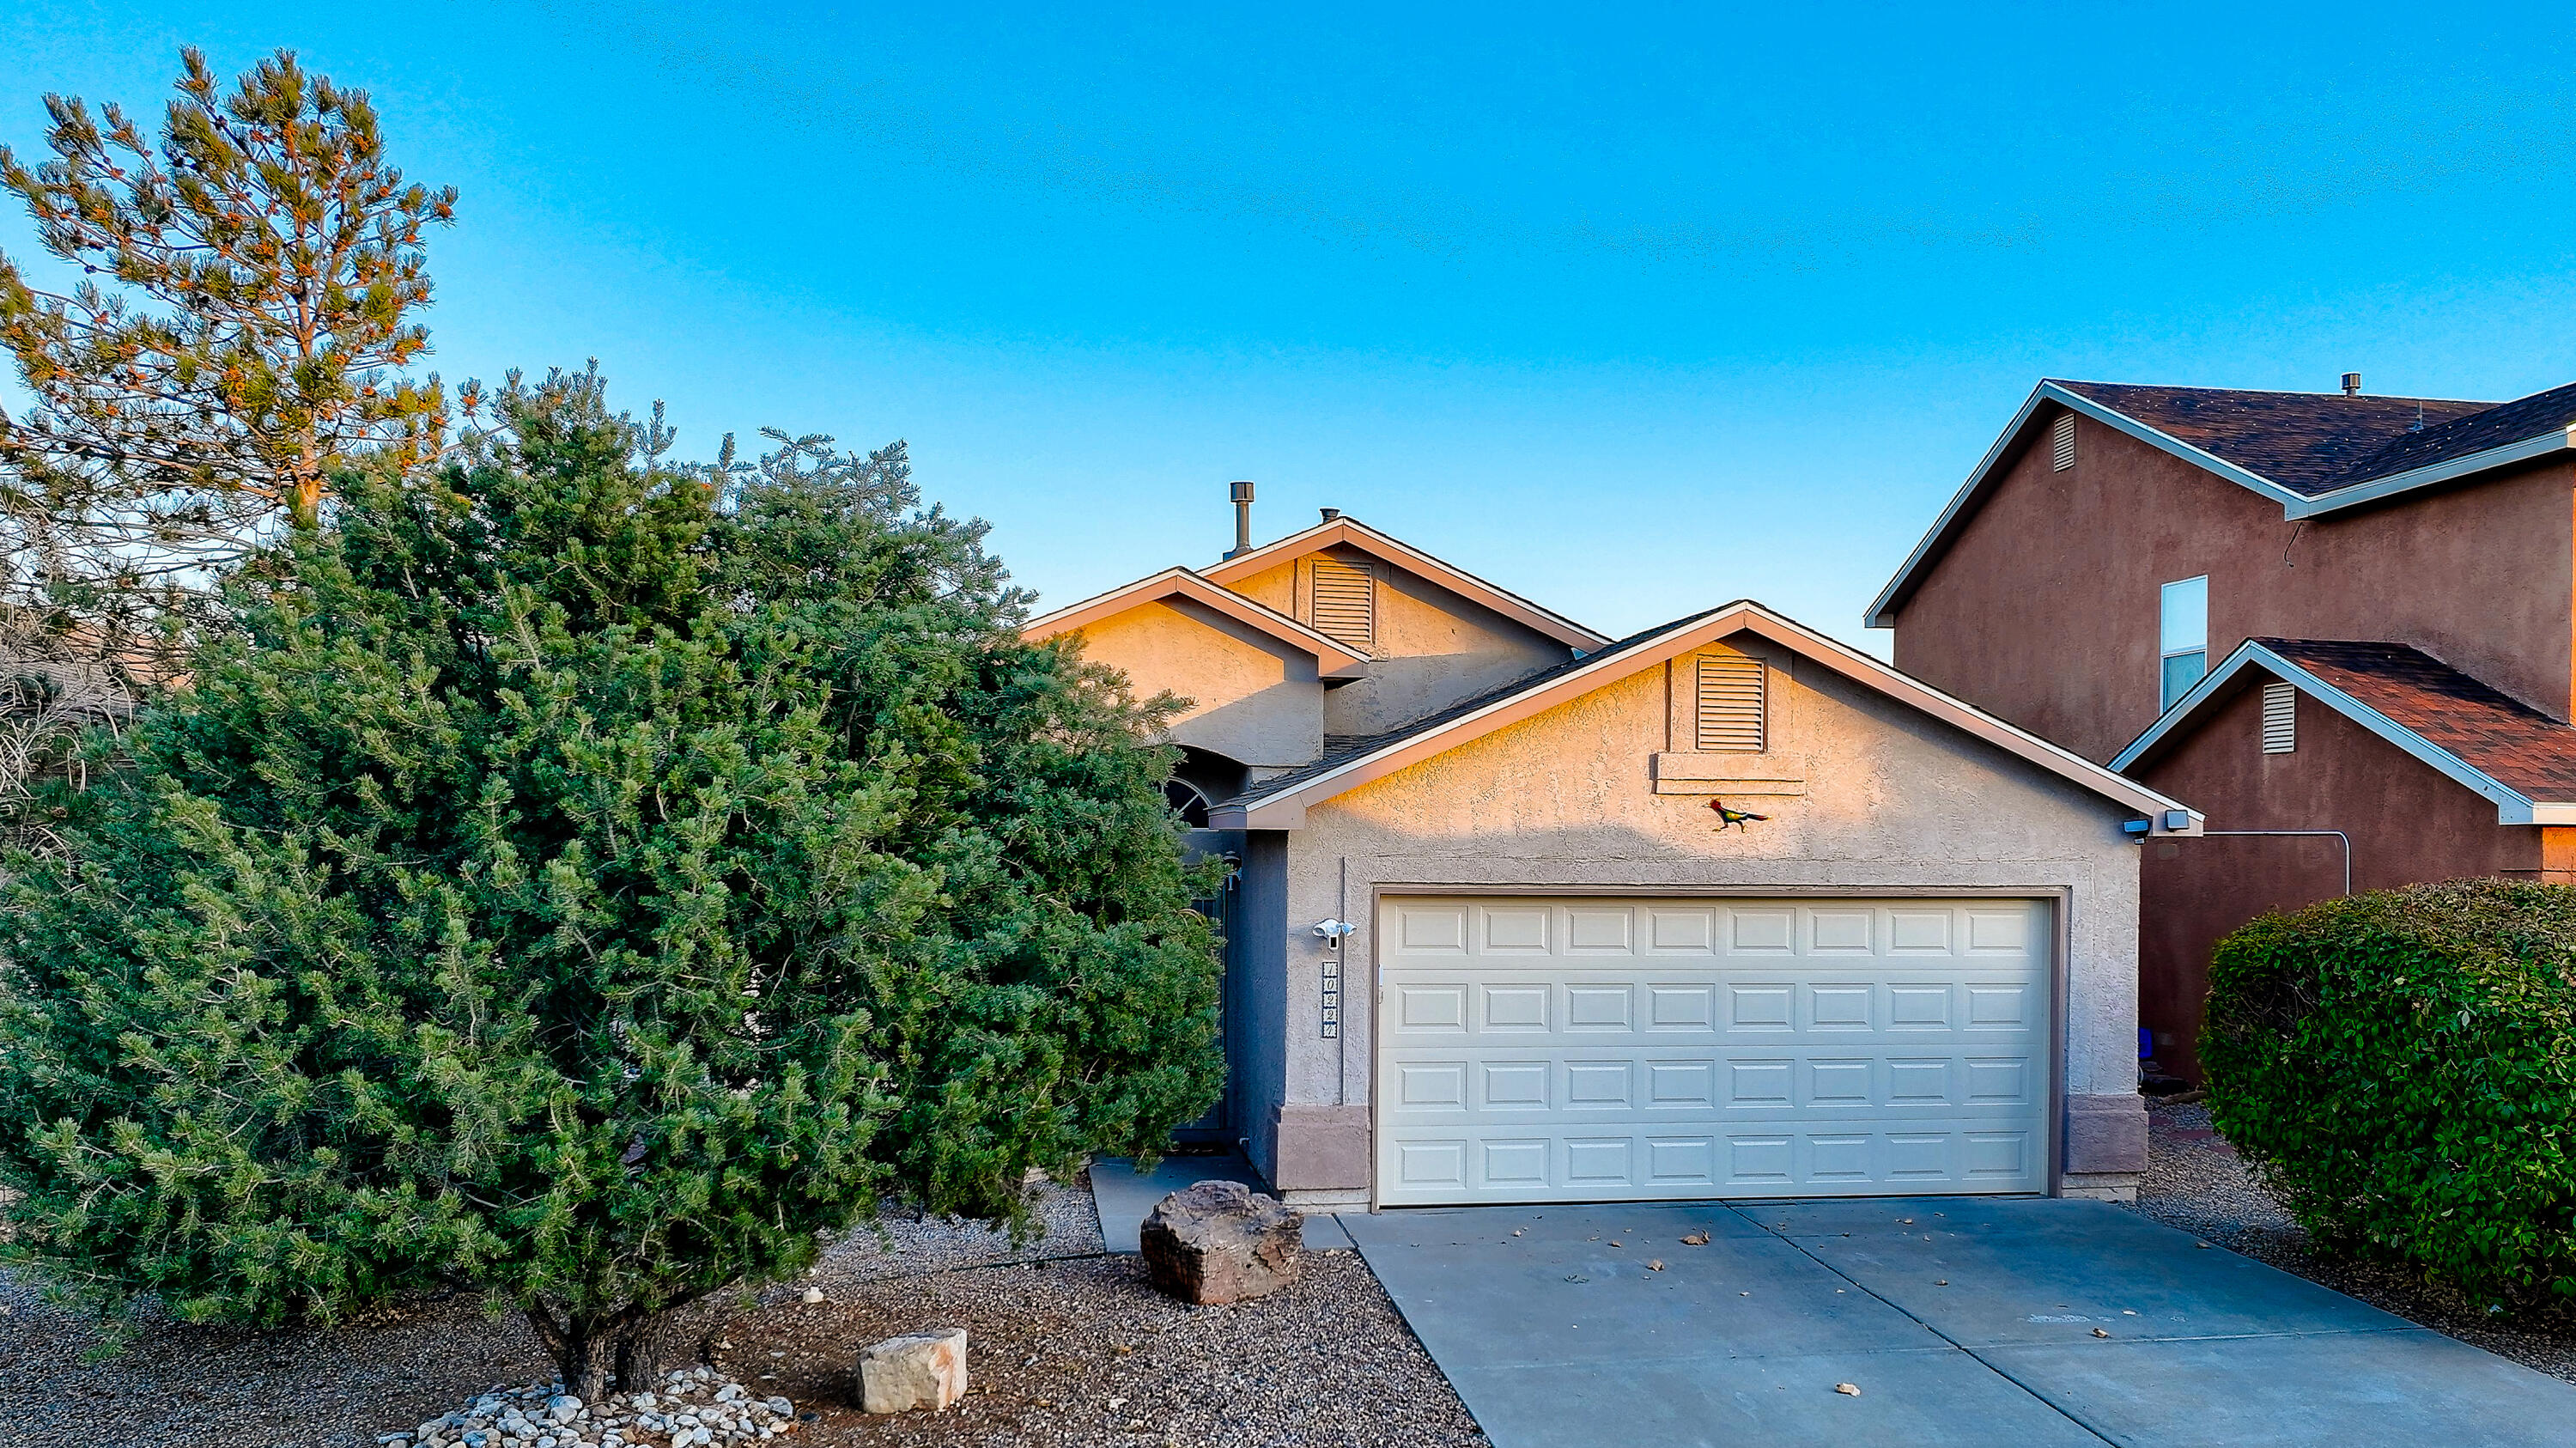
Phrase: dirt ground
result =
(1066, 1346)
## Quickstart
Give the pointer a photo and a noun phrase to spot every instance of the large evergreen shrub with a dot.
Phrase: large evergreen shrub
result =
(2400, 1067)
(586, 880)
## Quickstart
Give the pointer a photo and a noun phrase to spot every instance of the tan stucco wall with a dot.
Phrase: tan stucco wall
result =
(1564, 800)
(1252, 698)
(1433, 648)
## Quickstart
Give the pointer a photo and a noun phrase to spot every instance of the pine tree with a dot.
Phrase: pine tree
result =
(586, 880)
(247, 297)
(241, 300)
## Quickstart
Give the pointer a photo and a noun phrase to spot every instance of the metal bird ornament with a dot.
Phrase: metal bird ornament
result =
(1726, 817)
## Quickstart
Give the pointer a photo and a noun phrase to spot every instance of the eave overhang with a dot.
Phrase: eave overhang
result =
(1355, 534)
(2513, 807)
(1287, 809)
(2294, 504)
(1333, 660)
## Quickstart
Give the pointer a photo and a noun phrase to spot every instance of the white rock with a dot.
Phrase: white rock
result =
(563, 1407)
(813, 1295)
(923, 1370)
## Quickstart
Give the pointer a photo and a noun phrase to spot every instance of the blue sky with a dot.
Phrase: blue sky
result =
(1632, 312)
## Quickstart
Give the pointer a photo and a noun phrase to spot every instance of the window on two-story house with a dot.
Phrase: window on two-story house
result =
(2183, 637)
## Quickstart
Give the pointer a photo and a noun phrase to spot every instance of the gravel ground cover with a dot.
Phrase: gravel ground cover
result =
(1056, 1332)
(2196, 1181)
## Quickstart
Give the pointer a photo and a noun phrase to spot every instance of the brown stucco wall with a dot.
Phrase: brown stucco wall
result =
(2044, 608)
(2409, 824)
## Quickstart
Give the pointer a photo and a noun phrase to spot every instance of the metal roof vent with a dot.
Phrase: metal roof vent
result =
(1241, 491)
(2352, 384)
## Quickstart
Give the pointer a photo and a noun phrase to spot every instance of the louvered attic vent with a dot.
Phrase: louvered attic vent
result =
(2061, 442)
(1345, 601)
(2280, 719)
(1730, 704)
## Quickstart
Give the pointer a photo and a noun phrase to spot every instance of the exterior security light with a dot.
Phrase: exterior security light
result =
(2177, 819)
(1334, 930)
(2136, 827)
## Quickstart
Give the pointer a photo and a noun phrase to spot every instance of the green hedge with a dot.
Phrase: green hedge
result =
(2400, 1067)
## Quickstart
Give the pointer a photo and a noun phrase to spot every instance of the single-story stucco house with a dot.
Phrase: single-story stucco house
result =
(1721, 909)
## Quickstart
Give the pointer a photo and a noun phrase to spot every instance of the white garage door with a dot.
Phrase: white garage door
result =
(1536, 1050)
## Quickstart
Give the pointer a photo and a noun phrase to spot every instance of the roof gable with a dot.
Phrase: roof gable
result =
(1332, 659)
(2306, 442)
(1281, 802)
(2483, 739)
(2313, 453)
(1352, 533)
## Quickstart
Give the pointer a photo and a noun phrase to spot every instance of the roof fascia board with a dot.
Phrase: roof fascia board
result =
(2512, 806)
(1882, 610)
(2558, 439)
(1404, 555)
(1332, 659)
(1286, 810)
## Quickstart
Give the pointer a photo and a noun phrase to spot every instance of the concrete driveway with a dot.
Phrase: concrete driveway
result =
(2016, 1321)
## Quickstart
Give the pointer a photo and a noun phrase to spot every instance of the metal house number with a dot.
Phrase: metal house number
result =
(1332, 994)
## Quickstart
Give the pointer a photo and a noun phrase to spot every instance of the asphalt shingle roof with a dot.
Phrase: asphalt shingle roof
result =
(2313, 442)
(2498, 735)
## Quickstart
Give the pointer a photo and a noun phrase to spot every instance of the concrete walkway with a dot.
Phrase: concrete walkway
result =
(2019, 1321)
(1124, 1196)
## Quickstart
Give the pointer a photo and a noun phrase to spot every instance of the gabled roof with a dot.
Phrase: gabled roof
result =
(1333, 660)
(1281, 802)
(2313, 453)
(2486, 740)
(1355, 534)
(2307, 442)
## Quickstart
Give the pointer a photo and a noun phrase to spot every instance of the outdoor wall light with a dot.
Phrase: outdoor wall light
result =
(2136, 827)
(1334, 930)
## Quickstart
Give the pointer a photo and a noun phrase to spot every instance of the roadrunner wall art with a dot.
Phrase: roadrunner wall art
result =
(1726, 817)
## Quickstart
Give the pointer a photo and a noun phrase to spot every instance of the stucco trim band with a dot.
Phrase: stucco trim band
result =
(1286, 809)
(2513, 807)
(1332, 659)
(1748, 774)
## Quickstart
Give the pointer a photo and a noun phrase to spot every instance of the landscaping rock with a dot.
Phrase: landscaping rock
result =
(1219, 1242)
(922, 1370)
(694, 1406)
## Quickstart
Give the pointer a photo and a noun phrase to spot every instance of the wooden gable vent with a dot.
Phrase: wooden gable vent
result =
(2280, 719)
(1344, 599)
(1730, 704)
(2061, 442)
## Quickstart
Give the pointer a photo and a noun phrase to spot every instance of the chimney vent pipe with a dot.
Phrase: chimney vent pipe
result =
(1241, 491)
(2352, 384)
(1330, 513)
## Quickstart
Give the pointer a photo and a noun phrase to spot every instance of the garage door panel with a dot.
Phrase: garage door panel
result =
(1573, 1050)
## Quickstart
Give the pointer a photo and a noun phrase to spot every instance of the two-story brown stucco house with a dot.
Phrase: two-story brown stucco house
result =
(2344, 626)
(1724, 908)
